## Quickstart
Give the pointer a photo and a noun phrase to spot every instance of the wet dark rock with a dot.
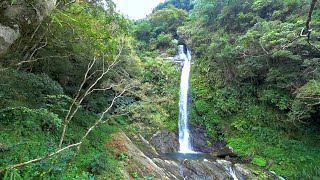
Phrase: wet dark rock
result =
(224, 152)
(201, 143)
(165, 141)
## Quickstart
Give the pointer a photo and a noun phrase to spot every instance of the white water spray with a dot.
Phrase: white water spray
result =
(184, 134)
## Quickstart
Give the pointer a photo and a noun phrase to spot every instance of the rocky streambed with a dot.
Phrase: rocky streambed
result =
(156, 159)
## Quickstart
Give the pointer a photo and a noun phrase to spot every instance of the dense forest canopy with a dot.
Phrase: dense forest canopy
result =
(85, 71)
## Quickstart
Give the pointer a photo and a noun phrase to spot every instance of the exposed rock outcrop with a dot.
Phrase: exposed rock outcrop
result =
(200, 142)
(7, 36)
(165, 141)
(162, 167)
(19, 18)
(137, 160)
(224, 152)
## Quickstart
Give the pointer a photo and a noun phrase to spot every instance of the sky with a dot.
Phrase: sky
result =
(136, 9)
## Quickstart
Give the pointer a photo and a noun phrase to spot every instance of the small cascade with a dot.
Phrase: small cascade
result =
(278, 176)
(184, 133)
(232, 172)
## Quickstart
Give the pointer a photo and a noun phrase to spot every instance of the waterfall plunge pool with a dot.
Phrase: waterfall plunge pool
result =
(192, 156)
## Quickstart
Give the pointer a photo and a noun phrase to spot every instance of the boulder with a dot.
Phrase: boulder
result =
(201, 143)
(19, 18)
(24, 12)
(204, 170)
(244, 170)
(165, 141)
(7, 36)
(224, 152)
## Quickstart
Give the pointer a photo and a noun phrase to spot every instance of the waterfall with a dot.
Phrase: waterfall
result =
(184, 134)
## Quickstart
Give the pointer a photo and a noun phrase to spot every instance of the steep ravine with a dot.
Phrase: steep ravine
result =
(147, 162)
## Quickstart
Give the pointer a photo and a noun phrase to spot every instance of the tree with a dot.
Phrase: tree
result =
(181, 4)
(167, 20)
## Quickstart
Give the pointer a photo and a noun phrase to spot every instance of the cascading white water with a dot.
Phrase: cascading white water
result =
(184, 135)
(232, 173)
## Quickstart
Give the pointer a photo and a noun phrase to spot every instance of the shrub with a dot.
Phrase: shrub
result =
(98, 165)
(22, 88)
(31, 119)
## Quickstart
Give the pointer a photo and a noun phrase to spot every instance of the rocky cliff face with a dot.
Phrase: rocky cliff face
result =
(166, 167)
(19, 17)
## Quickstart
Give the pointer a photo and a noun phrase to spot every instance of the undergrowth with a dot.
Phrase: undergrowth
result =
(32, 110)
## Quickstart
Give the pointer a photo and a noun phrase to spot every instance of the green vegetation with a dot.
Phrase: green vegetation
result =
(181, 4)
(259, 90)
(255, 84)
(255, 80)
(78, 71)
(159, 30)
(40, 80)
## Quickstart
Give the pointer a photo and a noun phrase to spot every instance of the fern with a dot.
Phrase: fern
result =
(12, 174)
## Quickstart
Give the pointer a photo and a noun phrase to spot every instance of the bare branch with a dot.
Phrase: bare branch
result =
(37, 59)
(70, 114)
(260, 42)
(78, 144)
(92, 74)
(107, 88)
(306, 31)
(315, 47)
(45, 44)
(79, 98)
(309, 97)
(312, 6)
(35, 31)
(42, 158)
(99, 121)
(4, 69)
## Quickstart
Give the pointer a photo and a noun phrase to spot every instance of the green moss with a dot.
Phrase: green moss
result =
(260, 161)
(240, 144)
(172, 125)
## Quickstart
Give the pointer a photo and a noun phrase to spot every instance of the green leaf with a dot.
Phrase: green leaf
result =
(13, 1)
(56, 19)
